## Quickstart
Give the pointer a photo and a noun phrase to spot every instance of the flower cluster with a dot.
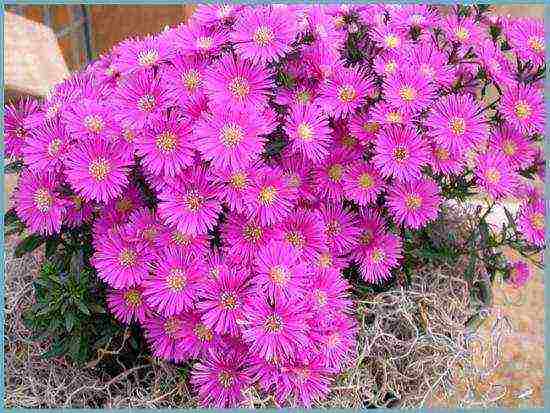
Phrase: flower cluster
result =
(232, 167)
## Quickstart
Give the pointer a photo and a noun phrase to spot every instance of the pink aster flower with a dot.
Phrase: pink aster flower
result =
(281, 274)
(309, 132)
(230, 138)
(77, 211)
(363, 183)
(531, 220)
(336, 341)
(431, 63)
(445, 161)
(390, 38)
(523, 106)
(384, 114)
(345, 90)
(166, 145)
(327, 291)
(37, 202)
(415, 16)
(364, 127)
(47, 146)
(193, 38)
(186, 74)
(243, 237)
(88, 119)
(141, 97)
(234, 184)
(174, 284)
(16, 129)
(142, 54)
(304, 382)
(222, 300)
(526, 36)
(328, 260)
(330, 175)
(277, 330)
(264, 33)
(410, 90)
(495, 175)
(519, 274)
(496, 64)
(303, 230)
(144, 226)
(97, 170)
(414, 203)
(125, 204)
(517, 149)
(463, 32)
(386, 64)
(340, 227)
(299, 176)
(196, 339)
(163, 335)
(180, 242)
(239, 83)
(377, 251)
(128, 304)
(216, 14)
(456, 123)
(270, 198)
(190, 203)
(119, 262)
(400, 153)
(221, 378)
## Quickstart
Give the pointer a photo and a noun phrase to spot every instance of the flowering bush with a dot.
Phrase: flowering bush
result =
(244, 177)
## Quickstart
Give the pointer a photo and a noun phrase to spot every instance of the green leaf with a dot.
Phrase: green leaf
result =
(27, 245)
(11, 217)
(57, 349)
(14, 167)
(51, 245)
(69, 321)
(83, 308)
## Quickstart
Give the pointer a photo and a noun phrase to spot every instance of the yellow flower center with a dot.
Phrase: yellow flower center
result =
(536, 43)
(193, 201)
(263, 36)
(273, 324)
(303, 96)
(347, 93)
(148, 57)
(172, 326)
(226, 379)
(203, 333)
(394, 117)
(146, 103)
(228, 301)
(537, 220)
(333, 228)
(43, 200)
(493, 175)
(296, 239)
(325, 260)
(335, 172)
(176, 280)
(127, 258)
(320, 296)
(192, 79)
(509, 147)
(132, 298)
(128, 135)
(458, 126)
(349, 141)
(53, 109)
(205, 42)
(252, 233)
(54, 146)
(522, 109)
(442, 154)
(124, 205)
(239, 87)
(166, 142)
(238, 180)
(305, 132)
(94, 123)
(462, 33)
(400, 154)
(390, 67)
(371, 127)
(279, 275)
(99, 169)
(407, 93)
(366, 237)
(294, 180)
(366, 181)
(231, 135)
(413, 202)
(378, 255)
(267, 195)
(180, 238)
(391, 41)
(303, 374)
